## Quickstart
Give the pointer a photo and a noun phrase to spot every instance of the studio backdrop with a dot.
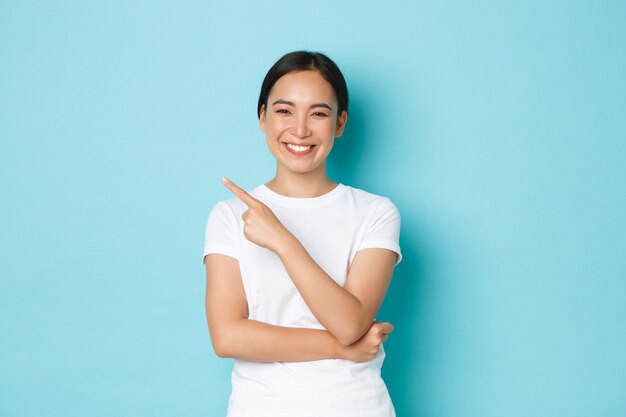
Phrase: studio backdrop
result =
(498, 129)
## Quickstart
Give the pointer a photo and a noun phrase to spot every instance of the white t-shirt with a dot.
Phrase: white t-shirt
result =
(332, 228)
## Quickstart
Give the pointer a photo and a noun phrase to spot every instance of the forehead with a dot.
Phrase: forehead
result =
(304, 86)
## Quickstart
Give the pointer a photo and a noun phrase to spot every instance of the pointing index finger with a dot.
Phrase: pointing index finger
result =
(240, 192)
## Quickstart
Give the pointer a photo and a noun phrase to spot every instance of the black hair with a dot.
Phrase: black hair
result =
(302, 61)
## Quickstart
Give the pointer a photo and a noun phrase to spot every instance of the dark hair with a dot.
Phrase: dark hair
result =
(302, 61)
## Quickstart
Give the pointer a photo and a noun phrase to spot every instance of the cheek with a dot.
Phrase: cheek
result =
(277, 125)
(327, 128)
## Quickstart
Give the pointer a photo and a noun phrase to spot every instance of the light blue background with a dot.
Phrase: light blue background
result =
(497, 128)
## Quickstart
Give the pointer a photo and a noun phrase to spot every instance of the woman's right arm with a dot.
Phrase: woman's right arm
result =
(233, 335)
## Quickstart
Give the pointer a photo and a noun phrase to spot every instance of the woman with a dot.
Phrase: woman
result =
(298, 267)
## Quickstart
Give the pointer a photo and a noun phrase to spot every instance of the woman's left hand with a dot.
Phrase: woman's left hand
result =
(261, 226)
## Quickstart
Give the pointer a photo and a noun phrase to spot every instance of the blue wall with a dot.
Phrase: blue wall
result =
(498, 129)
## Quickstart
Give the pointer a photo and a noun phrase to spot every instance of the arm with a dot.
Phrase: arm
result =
(233, 335)
(347, 312)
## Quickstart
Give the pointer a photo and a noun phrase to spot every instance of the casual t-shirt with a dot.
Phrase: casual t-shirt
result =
(332, 228)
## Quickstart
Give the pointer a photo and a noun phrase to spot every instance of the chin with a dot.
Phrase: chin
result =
(298, 169)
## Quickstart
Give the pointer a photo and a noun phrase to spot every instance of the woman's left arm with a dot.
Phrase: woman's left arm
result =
(346, 312)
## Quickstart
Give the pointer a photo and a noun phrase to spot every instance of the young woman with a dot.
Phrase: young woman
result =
(298, 267)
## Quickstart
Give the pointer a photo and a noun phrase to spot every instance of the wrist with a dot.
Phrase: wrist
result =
(286, 244)
(337, 350)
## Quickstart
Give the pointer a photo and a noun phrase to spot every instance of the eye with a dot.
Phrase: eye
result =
(283, 111)
(320, 114)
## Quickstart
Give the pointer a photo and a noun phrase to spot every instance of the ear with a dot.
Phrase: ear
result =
(262, 121)
(341, 123)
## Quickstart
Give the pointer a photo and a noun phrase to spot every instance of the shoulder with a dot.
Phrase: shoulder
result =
(233, 205)
(230, 205)
(371, 201)
(226, 213)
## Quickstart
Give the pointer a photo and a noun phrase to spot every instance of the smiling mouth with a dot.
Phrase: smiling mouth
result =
(298, 149)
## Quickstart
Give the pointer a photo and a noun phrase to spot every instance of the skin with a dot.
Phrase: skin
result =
(302, 110)
(301, 176)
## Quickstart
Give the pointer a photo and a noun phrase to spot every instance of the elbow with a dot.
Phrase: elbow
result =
(351, 331)
(220, 345)
(224, 338)
(349, 336)
(220, 349)
(347, 340)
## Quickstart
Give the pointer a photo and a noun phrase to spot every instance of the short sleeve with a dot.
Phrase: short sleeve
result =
(221, 234)
(383, 230)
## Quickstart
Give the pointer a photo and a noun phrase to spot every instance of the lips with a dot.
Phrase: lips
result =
(298, 149)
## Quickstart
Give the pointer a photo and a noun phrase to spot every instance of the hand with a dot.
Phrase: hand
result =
(367, 346)
(260, 224)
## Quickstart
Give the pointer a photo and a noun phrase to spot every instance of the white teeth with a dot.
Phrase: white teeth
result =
(298, 148)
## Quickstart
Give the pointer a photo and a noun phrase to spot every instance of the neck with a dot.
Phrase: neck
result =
(305, 185)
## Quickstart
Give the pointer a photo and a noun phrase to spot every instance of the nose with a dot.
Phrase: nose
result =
(300, 128)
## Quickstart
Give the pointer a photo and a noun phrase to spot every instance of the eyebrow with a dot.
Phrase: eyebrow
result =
(289, 103)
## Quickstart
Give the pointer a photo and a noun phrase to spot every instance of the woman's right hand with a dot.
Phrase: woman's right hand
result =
(367, 346)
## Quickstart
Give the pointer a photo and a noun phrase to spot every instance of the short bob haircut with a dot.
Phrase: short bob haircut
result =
(303, 61)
